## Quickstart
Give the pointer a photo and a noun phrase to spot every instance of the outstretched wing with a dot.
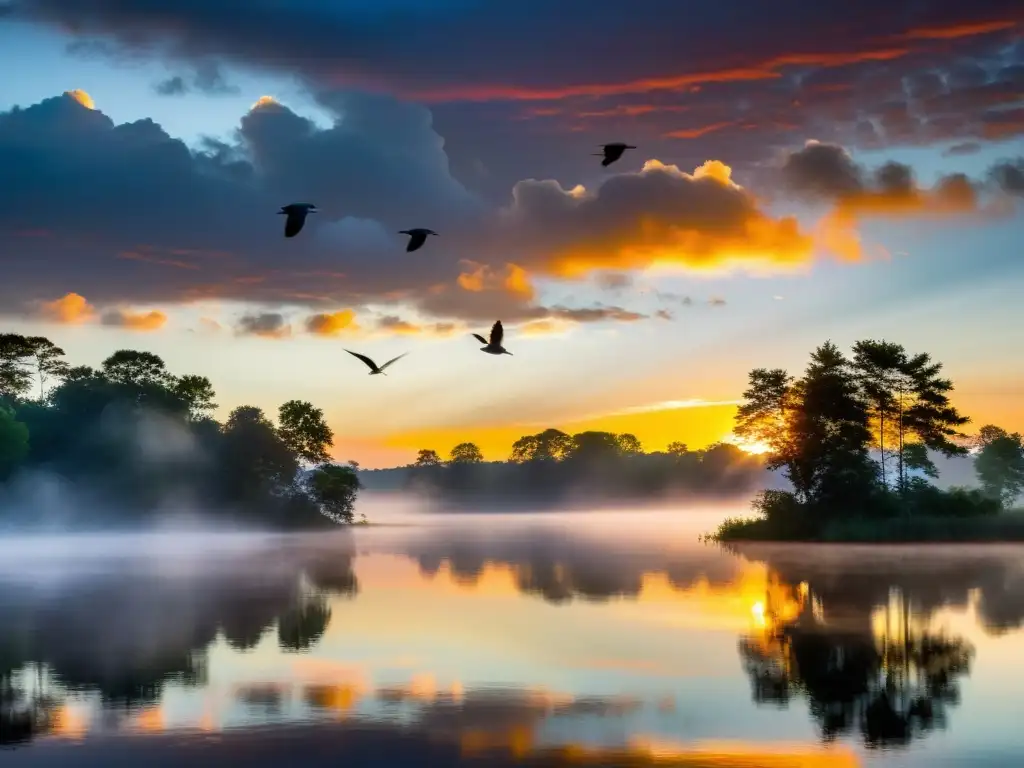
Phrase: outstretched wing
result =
(416, 240)
(480, 338)
(365, 359)
(293, 224)
(497, 333)
(389, 362)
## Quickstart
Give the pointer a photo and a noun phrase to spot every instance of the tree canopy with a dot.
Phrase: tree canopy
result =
(133, 434)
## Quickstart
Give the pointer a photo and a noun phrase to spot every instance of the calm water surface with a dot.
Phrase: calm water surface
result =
(577, 639)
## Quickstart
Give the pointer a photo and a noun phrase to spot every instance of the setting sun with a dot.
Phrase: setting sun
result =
(754, 447)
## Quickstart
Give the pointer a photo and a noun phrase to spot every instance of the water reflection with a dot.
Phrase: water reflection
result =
(891, 685)
(525, 643)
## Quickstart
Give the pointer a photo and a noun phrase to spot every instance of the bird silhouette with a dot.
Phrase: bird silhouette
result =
(296, 213)
(417, 237)
(612, 152)
(374, 368)
(493, 347)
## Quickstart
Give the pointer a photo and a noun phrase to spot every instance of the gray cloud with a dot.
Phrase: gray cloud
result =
(207, 78)
(1009, 176)
(271, 325)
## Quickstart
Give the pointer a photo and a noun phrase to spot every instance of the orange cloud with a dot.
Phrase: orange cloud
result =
(768, 69)
(959, 30)
(481, 277)
(659, 216)
(823, 172)
(70, 309)
(82, 98)
(395, 324)
(544, 328)
(134, 321)
(704, 130)
(333, 323)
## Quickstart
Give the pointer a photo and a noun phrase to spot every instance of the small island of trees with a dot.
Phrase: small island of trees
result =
(555, 469)
(129, 438)
(853, 435)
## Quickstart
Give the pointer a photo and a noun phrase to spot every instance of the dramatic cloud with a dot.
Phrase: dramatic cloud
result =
(827, 172)
(658, 216)
(269, 325)
(195, 225)
(896, 72)
(134, 321)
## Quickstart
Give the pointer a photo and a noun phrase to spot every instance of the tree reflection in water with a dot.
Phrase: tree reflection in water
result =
(891, 683)
(155, 630)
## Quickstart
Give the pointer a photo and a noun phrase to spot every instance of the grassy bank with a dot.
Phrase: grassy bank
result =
(1008, 526)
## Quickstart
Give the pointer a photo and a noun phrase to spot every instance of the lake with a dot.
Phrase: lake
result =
(556, 639)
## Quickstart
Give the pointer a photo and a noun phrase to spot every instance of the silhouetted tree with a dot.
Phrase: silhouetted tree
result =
(14, 438)
(427, 458)
(1000, 463)
(131, 367)
(466, 453)
(255, 458)
(197, 393)
(549, 445)
(304, 431)
(628, 444)
(335, 489)
(15, 375)
(49, 360)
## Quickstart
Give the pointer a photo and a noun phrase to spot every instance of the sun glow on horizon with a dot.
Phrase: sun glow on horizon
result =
(754, 447)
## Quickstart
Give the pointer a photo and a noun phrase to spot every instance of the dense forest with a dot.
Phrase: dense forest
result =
(853, 437)
(129, 440)
(556, 468)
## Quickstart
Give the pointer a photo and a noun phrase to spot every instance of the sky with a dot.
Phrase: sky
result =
(816, 172)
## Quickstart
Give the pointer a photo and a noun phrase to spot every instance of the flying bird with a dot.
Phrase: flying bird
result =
(374, 368)
(296, 213)
(417, 237)
(612, 152)
(493, 347)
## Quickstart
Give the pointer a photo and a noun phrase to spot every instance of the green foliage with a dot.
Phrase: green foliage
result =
(304, 431)
(14, 443)
(130, 433)
(335, 489)
(1000, 464)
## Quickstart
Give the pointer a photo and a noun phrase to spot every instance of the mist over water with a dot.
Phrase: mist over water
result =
(612, 634)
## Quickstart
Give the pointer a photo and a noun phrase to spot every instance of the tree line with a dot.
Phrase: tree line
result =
(129, 435)
(553, 466)
(853, 434)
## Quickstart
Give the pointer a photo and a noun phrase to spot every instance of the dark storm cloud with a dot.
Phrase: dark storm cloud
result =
(517, 85)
